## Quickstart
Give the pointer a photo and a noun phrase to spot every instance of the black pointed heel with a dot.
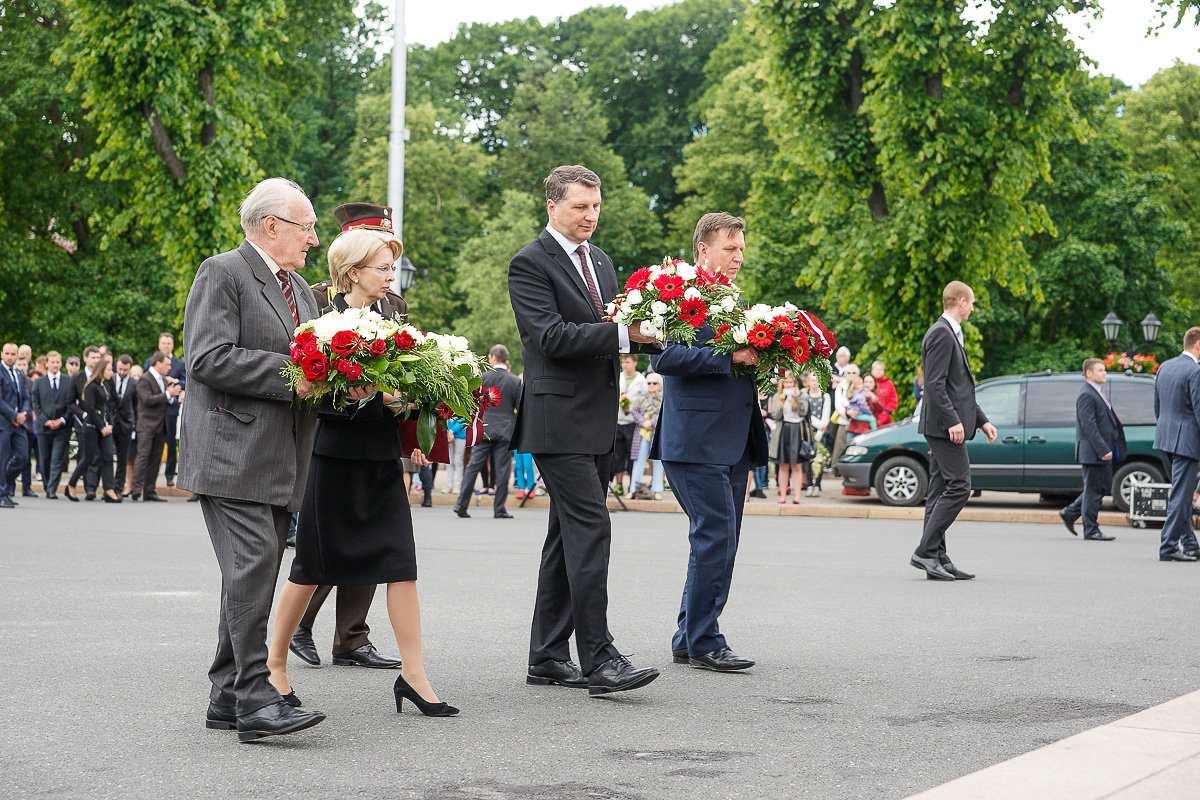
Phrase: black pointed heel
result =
(403, 690)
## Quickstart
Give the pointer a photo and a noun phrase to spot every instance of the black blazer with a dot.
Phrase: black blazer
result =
(370, 433)
(949, 385)
(74, 398)
(1098, 431)
(46, 406)
(123, 408)
(95, 405)
(502, 419)
(152, 407)
(570, 354)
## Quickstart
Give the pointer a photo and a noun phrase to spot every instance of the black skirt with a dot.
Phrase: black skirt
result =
(790, 437)
(355, 525)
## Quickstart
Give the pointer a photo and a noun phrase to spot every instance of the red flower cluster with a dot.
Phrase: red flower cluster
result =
(638, 280)
(669, 287)
(348, 368)
(693, 311)
(487, 397)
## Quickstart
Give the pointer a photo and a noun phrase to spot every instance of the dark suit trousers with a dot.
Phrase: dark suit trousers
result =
(87, 461)
(1177, 530)
(52, 456)
(145, 467)
(248, 539)
(14, 452)
(1097, 482)
(713, 497)
(572, 593)
(353, 603)
(121, 441)
(497, 452)
(949, 490)
(172, 438)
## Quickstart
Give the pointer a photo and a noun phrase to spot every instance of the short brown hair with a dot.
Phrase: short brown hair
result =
(167, 334)
(499, 352)
(1090, 364)
(158, 357)
(125, 359)
(710, 224)
(91, 348)
(955, 291)
(556, 182)
(1191, 338)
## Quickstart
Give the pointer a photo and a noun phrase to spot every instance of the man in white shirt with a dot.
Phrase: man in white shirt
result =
(49, 398)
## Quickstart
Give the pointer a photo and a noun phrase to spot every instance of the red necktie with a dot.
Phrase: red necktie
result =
(285, 282)
(581, 251)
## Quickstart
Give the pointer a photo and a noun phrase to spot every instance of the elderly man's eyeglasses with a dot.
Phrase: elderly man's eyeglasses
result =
(306, 228)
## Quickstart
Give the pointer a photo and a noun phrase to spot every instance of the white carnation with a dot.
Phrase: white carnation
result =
(691, 292)
(728, 303)
(686, 271)
(715, 308)
(741, 335)
(634, 297)
(658, 308)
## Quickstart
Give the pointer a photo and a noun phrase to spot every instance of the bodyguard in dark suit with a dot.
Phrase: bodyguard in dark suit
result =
(178, 374)
(123, 390)
(559, 285)
(949, 419)
(49, 401)
(155, 395)
(710, 435)
(246, 443)
(499, 422)
(87, 461)
(14, 410)
(1099, 444)
(1177, 437)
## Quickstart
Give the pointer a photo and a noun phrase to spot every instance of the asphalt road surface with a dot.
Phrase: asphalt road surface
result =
(871, 683)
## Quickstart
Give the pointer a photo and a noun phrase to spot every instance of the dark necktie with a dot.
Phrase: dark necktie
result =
(121, 390)
(581, 251)
(54, 385)
(12, 374)
(285, 282)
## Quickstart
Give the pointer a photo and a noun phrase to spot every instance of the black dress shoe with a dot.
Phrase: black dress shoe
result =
(302, 645)
(556, 673)
(679, 656)
(1176, 556)
(1070, 523)
(618, 675)
(1193, 553)
(1100, 537)
(51, 496)
(427, 501)
(221, 718)
(276, 719)
(153, 498)
(721, 660)
(505, 515)
(71, 495)
(28, 493)
(958, 574)
(90, 496)
(462, 512)
(933, 570)
(365, 656)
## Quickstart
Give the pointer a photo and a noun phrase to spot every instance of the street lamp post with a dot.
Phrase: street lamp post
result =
(398, 134)
(1112, 325)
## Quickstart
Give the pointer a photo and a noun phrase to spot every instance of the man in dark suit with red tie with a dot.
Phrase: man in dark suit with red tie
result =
(949, 419)
(558, 286)
(1099, 445)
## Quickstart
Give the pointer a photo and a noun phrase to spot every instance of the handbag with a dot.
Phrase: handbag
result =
(807, 451)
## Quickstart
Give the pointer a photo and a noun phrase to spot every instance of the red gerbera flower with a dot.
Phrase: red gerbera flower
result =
(669, 287)
(444, 411)
(404, 340)
(638, 280)
(801, 352)
(493, 395)
(704, 277)
(693, 311)
(761, 335)
(784, 324)
(723, 279)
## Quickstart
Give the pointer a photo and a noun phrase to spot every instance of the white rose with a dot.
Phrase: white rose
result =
(686, 271)
(634, 297)
(691, 292)
(715, 309)
(658, 322)
(728, 303)
(658, 308)
(649, 329)
(740, 335)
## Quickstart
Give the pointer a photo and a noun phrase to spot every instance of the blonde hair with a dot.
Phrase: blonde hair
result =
(853, 384)
(353, 249)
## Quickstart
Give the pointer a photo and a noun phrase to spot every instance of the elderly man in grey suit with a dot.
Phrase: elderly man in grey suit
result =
(1177, 437)
(246, 445)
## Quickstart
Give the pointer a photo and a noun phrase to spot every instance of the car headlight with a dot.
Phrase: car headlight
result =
(855, 450)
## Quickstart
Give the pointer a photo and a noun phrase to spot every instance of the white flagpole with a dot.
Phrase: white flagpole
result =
(395, 192)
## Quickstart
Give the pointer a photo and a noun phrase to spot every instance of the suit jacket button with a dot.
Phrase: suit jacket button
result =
(612, 383)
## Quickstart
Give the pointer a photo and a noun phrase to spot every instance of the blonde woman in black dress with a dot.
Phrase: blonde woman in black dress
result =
(355, 526)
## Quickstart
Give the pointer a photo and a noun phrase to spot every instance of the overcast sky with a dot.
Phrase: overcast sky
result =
(1117, 41)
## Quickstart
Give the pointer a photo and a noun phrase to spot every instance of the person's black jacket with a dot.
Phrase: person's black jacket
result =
(96, 405)
(1098, 431)
(949, 385)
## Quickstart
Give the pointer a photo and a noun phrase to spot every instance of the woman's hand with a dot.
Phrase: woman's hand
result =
(388, 398)
(418, 458)
(106, 430)
(357, 393)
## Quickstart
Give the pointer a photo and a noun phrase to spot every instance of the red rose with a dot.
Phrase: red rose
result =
(310, 347)
(377, 347)
(340, 364)
(638, 280)
(345, 342)
(669, 287)
(304, 338)
(404, 340)
(297, 354)
(787, 341)
(761, 336)
(721, 331)
(315, 366)
(693, 311)
(352, 371)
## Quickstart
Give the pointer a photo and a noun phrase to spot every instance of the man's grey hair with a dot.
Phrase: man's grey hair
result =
(875, 364)
(843, 351)
(270, 197)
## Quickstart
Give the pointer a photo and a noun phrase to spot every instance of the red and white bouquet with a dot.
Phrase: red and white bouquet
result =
(785, 337)
(355, 347)
(673, 299)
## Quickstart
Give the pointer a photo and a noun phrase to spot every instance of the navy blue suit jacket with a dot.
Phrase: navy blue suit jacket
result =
(1098, 431)
(708, 417)
(13, 399)
(1177, 407)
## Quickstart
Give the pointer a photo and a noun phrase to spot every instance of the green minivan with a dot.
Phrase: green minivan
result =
(1034, 450)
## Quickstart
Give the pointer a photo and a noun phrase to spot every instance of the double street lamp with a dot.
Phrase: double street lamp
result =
(1112, 325)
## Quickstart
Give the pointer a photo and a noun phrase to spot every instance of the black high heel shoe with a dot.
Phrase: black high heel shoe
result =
(69, 491)
(113, 498)
(403, 690)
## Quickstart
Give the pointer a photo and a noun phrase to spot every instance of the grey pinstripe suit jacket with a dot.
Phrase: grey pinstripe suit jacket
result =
(241, 436)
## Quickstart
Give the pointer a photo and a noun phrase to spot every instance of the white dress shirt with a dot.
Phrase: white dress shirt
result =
(569, 248)
(271, 265)
(957, 328)
(162, 384)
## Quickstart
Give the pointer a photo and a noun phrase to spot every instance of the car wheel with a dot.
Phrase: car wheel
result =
(901, 481)
(1140, 471)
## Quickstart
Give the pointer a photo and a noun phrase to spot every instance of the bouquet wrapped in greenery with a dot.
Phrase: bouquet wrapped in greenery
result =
(785, 337)
(333, 352)
(673, 299)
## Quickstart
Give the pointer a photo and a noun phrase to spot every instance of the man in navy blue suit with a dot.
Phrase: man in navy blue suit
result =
(1099, 444)
(1177, 437)
(14, 409)
(166, 344)
(710, 435)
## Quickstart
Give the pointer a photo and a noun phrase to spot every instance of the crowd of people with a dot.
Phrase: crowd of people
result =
(121, 414)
